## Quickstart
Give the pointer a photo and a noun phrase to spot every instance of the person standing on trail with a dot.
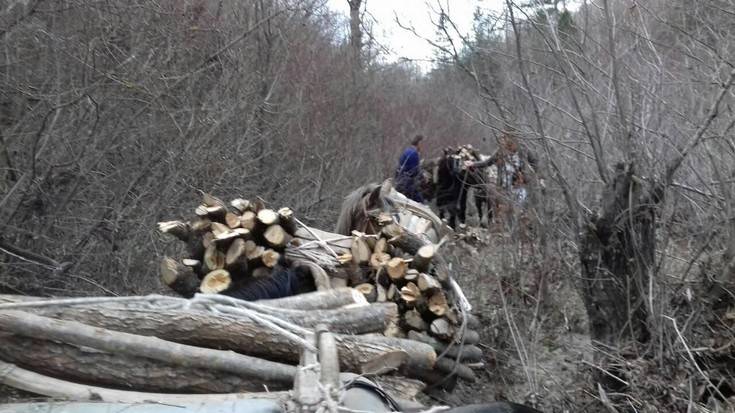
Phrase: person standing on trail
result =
(408, 172)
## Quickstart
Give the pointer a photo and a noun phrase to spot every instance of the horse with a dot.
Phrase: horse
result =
(453, 182)
(483, 184)
(361, 207)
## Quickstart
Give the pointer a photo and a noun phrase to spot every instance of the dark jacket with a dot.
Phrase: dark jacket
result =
(408, 174)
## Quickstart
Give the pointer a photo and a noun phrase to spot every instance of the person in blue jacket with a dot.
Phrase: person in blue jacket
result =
(408, 173)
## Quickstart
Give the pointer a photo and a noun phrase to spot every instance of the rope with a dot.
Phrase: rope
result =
(318, 240)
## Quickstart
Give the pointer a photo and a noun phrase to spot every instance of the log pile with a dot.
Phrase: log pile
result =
(398, 266)
(394, 311)
(226, 245)
(393, 268)
(208, 344)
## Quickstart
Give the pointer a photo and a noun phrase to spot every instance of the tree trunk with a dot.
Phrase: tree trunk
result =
(355, 34)
(617, 253)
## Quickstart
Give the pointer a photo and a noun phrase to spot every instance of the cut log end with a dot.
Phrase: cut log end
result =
(179, 277)
(410, 293)
(276, 236)
(423, 257)
(215, 282)
(438, 304)
(286, 219)
(270, 258)
(213, 258)
(368, 291)
(396, 268)
(241, 205)
(178, 229)
(232, 220)
(442, 329)
(379, 259)
(248, 220)
(235, 252)
(267, 217)
(427, 283)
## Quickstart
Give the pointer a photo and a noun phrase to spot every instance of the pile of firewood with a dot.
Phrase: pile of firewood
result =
(386, 297)
(398, 266)
(395, 269)
(226, 246)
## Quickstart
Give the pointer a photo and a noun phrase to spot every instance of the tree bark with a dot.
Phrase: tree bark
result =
(237, 334)
(73, 332)
(333, 298)
(617, 253)
(22, 379)
(355, 34)
(94, 367)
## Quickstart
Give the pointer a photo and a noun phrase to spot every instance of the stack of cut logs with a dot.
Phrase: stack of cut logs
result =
(398, 266)
(393, 269)
(226, 245)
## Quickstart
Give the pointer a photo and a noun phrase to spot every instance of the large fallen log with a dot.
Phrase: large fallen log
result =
(357, 319)
(238, 334)
(14, 376)
(403, 386)
(449, 366)
(373, 318)
(420, 355)
(73, 332)
(333, 298)
(86, 365)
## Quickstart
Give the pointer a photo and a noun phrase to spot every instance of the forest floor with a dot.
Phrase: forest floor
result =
(534, 325)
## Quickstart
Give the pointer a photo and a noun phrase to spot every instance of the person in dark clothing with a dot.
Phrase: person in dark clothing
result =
(285, 280)
(408, 172)
(450, 194)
